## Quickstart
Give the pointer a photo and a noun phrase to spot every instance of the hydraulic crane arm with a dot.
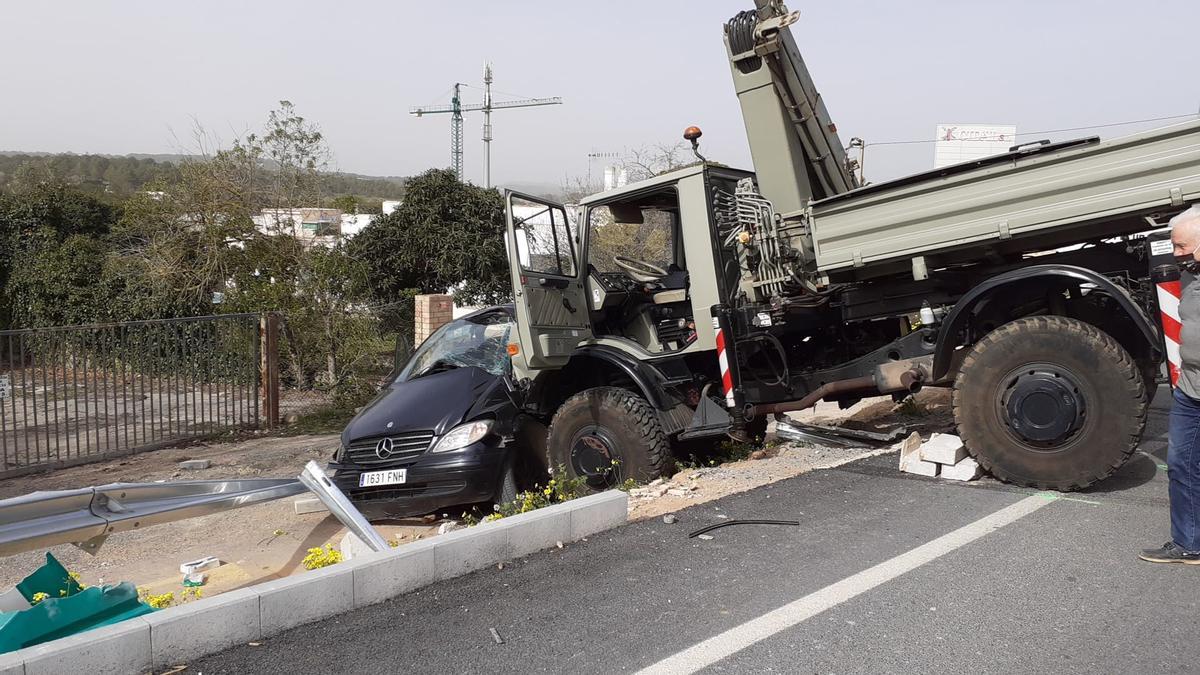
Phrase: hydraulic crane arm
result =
(797, 154)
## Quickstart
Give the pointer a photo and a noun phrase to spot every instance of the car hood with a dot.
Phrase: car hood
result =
(436, 402)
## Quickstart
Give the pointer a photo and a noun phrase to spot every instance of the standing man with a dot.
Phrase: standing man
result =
(1183, 450)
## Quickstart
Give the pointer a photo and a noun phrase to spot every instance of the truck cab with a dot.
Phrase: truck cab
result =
(634, 270)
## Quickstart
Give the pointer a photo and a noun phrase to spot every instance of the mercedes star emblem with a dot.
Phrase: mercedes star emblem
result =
(383, 449)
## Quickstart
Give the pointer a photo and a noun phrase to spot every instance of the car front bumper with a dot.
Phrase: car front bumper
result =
(433, 482)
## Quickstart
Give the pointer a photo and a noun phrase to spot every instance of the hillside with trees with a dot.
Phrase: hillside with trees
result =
(183, 243)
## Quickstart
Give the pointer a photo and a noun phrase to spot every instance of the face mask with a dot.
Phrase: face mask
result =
(1187, 264)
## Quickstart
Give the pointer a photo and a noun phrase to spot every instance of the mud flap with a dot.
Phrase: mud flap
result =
(710, 419)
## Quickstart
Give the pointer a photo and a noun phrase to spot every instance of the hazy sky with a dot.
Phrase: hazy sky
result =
(131, 76)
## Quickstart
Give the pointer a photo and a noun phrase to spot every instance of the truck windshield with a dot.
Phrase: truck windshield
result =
(479, 342)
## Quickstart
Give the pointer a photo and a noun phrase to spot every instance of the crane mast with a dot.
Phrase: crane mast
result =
(797, 154)
(456, 109)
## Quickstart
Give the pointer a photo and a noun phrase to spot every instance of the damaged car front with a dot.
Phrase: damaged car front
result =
(439, 434)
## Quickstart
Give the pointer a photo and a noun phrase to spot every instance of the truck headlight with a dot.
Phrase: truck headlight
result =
(463, 435)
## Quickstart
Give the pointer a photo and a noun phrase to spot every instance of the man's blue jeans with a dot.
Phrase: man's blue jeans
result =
(1183, 471)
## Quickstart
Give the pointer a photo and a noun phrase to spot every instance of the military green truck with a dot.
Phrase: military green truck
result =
(700, 302)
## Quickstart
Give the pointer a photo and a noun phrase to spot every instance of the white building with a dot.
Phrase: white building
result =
(312, 225)
(965, 142)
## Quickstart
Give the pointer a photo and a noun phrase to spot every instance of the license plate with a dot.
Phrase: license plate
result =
(388, 477)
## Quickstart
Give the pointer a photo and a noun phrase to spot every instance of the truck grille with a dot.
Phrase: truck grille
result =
(406, 446)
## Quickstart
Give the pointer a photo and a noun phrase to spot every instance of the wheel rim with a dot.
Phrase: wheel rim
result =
(1043, 406)
(594, 456)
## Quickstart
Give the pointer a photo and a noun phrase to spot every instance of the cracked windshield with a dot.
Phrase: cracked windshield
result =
(481, 342)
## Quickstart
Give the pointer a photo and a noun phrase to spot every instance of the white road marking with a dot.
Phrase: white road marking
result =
(740, 637)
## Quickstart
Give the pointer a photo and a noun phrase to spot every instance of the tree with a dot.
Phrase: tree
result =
(446, 235)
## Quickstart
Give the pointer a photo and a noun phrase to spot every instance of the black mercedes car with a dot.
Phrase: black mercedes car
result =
(443, 431)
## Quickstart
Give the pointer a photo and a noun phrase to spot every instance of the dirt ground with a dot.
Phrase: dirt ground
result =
(269, 540)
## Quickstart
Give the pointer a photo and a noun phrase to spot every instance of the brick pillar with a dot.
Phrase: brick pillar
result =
(431, 312)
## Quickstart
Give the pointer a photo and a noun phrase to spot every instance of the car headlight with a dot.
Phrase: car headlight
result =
(463, 435)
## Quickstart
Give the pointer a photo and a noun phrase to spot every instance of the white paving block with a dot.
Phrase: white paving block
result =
(120, 648)
(965, 469)
(920, 467)
(180, 634)
(538, 530)
(383, 576)
(598, 512)
(910, 449)
(470, 549)
(304, 598)
(13, 663)
(305, 505)
(943, 449)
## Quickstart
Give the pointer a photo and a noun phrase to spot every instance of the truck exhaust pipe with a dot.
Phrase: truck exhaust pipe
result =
(886, 380)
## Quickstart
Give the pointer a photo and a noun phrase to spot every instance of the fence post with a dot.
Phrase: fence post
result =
(268, 376)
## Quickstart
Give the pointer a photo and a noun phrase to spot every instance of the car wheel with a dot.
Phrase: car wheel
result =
(606, 436)
(506, 492)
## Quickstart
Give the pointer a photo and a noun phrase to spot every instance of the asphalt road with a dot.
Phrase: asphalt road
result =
(888, 573)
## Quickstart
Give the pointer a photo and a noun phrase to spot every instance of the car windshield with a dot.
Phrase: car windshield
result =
(480, 342)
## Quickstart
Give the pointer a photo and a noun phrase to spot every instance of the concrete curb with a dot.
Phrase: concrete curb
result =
(179, 634)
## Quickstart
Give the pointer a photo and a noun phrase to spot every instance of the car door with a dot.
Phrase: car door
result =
(548, 278)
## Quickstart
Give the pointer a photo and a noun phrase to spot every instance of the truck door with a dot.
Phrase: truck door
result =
(548, 281)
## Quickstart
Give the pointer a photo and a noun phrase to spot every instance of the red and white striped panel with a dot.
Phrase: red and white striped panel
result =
(1169, 293)
(726, 376)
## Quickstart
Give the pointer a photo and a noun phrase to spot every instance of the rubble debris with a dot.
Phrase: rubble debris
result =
(449, 526)
(705, 537)
(943, 449)
(669, 519)
(205, 563)
(910, 458)
(195, 464)
(496, 636)
(195, 579)
(700, 532)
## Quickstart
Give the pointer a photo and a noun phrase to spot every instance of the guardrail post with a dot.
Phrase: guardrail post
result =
(268, 377)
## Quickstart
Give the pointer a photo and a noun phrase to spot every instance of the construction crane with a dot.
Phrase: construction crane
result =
(456, 109)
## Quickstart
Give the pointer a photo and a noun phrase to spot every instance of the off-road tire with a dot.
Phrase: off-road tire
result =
(640, 447)
(1108, 381)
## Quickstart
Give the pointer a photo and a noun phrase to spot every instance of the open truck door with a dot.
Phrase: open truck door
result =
(548, 278)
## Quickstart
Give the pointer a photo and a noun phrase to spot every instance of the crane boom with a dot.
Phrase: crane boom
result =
(456, 109)
(797, 154)
(521, 103)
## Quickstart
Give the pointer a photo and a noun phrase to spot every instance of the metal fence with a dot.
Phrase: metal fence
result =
(78, 393)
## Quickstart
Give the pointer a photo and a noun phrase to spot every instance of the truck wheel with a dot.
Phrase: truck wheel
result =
(607, 435)
(1049, 402)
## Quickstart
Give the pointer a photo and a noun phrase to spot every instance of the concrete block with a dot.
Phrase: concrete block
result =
(179, 634)
(304, 598)
(383, 576)
(538, 530)
(965, 469)
(305, 505)
(353, 548)
(195, 464)
(921, 467)
(910, 449)
(13, 663)
(120, 648)
(943, 449)
(598, 512)
(468, 550)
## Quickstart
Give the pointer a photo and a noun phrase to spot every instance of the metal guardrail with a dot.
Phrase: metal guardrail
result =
(78, 393)
(87, 516)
